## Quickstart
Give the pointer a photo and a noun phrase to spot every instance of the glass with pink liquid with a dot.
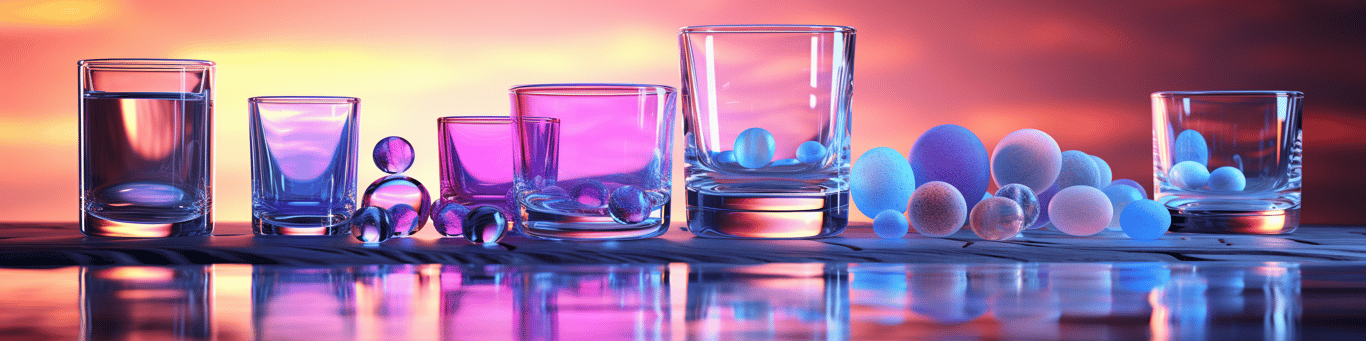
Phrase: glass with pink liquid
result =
(476, 157)
(612, 173)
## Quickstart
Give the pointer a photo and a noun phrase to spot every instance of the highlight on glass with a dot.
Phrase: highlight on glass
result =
(1229, 161)
(608, 176)
(476, 163)
(146, 147)
(303, 164)
(768, 132)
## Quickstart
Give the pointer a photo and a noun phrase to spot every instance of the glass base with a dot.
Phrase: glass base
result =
(767, 215)
(301, 226)
(1236, 222)
(95, 226)
(556, 226)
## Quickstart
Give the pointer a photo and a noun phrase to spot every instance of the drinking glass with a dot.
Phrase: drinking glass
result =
(611, 166)
(767, 127)
(146, 147)
(303, 164)
(476, 157)
(1228, 161)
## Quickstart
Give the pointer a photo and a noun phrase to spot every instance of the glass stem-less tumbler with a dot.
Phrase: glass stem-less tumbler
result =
(303, 164)
(767, 127)
(146, 147)
(1228, 161)
(477, 160)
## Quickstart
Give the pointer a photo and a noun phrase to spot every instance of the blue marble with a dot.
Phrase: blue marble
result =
(1130, 183)
(1227, 179)
(405, 219)
(484, 224)
(1145, 219)
(393, 155)
(628, 205)
(811, 152)
(890, 225)
(952, 154)
(371, 225)
(1191, 146)
(448, 217)
(754, 148)
(1023, 196)
(1188, 175)
(1078, 169)
(996, 219)
(591, 193)
(1120, 196)
(880, 180)
(726, 157)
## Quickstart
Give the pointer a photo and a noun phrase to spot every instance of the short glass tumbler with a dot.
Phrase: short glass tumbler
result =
(1228, 161)
(476, 157)
(303, 164)
(608, 176)
(146, 147)
(768, 131)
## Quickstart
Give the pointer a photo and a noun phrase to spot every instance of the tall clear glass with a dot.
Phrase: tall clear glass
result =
(303, 164)
(611, 173)
(146, 147)
(767, 125)
(1228, 161)
(476, 156)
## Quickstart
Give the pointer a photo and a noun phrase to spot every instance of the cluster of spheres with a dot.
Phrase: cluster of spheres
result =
(1190, 167)
(755, 148)
(1040, 186)
(397, 205)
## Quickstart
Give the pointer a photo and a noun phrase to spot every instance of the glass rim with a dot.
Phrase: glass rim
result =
(1228, 93)
(588, 89)
(304, 100)
(145, 63)
(778, 28)
(492, 119)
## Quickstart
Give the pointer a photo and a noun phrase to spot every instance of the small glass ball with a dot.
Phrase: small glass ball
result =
(485, 224)
(393, 155)
(371, 225)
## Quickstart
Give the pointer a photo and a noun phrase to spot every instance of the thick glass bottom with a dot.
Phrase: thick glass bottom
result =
(1240, 222)
(767, 215)
(329, 225)
(92, 225)
(549, 225)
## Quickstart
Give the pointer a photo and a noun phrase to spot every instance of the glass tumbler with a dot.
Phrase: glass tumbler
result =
(609, 175)
(476, 156)
(146, 147)
(767, 127)
(303, 164)
(1228, 161)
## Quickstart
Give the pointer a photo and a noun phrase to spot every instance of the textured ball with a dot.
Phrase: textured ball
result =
(1130, 183)
(484, 224)
(371, 225)
(1145, 219)
(1028, 157)
(1044, 199)
(1103, 169)
(405, 219)
(1023, 196)
(628, 205)
(1120, 196)
(1188, 175)
(890, 225)
(1080, 210)
(996, 219)
(448, 216)
(754, 148)
(811, 152)
(937, 209)
(881, 180)
(952, 154)
(1078, 170)
(393, 155)
(1227, 179)
(1191, 146)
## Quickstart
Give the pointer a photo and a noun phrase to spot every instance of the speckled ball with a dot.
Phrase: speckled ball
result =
(937, 209)
(1080, 210)
(811, 152)
(1227, 179)
(952, 154)
(890, 225)
(1103, 171)
(754, 148)
(996, 219)
(1028, 157)
(1188, 175)
(1130, 183)
(1191, 146)
(1023, 196)
(1078, 170)
(1145, 220)
(1120, 196)
(880, 180)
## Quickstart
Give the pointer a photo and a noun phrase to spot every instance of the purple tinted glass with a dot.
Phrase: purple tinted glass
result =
(476, 157)
(304, 155)
(611, 135)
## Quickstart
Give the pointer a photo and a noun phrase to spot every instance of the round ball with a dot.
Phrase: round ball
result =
(1044, 199)
(1023, 196)
(1188, 175)
(1227, 179)
(628, 205)
(811, 152)
(754, 148)
(996, 219)
(1130, 183)
(1191, 146)
(485, 224)
(785, 162)
(726, 157)
(1145, 219)
(591, 193)
(952, 154)
(890, 225)
(881, 180)
(1120, 196)
(1080, 210)
(405, 219)
(937, 209)
(448, 217)
(393, 155)
(371, 224)
(1103, 169)
(1028, 157)
(1078, 169)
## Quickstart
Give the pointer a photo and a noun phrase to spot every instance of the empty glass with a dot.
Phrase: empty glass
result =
(767, 110)
(146, 147)
(303, 168)
(611, 173)
(1228, 161)
(476, 157)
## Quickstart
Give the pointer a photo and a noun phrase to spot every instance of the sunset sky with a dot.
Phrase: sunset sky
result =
(1079, 70)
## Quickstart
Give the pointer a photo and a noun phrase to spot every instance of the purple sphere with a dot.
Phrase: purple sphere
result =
(393, 155)
(1044, 199)
(952, 154)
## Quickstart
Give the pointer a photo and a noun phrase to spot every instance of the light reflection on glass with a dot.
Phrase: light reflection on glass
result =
(146, 303)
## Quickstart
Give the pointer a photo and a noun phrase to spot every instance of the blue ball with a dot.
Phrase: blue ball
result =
(1191, 146)
(1078, 169)
(371, 224)
(1103, 170)
(891, 225)
(811, 152)
(754, 148)
(628, 205)
(785, 162)
(1120, 196)
(881, 180)
(1145, 220)
(1130, 183)
(1028, 157)
(1188, 175)
(952, 154)
(1227, 179)
(726, 157)
(1045, 198)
